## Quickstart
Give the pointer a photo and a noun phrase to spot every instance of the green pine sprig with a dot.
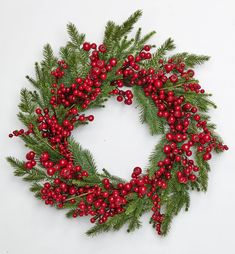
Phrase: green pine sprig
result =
(148, 112)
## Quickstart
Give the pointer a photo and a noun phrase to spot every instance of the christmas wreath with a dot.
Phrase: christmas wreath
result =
(171, 102)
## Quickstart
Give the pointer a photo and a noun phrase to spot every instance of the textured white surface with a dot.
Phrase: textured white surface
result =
(116, 138)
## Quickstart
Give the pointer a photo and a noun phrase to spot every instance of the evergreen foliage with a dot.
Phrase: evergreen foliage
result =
(148, 112)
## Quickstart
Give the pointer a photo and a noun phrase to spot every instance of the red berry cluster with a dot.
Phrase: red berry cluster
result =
(31, 161)
(98, 202)
(57, 133)
(22, 132)
(129, 72)
(125, 96)
(54, 132)
(59, 71)
(84, 90)
(194, 87)
(64, 168)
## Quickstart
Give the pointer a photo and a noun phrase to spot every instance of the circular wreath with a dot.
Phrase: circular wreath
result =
(171, 103)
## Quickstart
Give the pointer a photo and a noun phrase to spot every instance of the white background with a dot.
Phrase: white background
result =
(116, 138)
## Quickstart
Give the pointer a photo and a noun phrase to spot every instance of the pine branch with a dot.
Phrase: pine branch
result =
(140, 42)
(39, 144)
(110, 30)
(161, 52)
(131, 216)
(82, 157)
(116, 41)
(26, 105)
(135, 210)
(49, 59)
(204, 167)
(17, 165)
(25, 118)
(112, 224)
(36, 188)
(190, 60)
(69, 214)
(76, 38)
(148, 112)
(138, 35)
(35, 174)
(156, 156)
(76, 58)
(199, 100)
(168, 45)
(127, 26)
(173, 205)
(33, 82)
(90, 180)
(99, 228)
(145, 39)
(114, 179)
(133, 205)
(37, 99)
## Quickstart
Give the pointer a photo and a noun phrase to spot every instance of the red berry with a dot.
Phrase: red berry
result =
(113, 61)
(30, 155)
(51, 171)
(146, 48)
(142, 190)
(167, 149)
(38, 111)
(119, 98)
(168, 67)
(137, 171)
(45, 156)
(207, 156)
(192, 178)
(158, 83)
(28, 165)
(86, 46)
(90, 118)
(102, 48)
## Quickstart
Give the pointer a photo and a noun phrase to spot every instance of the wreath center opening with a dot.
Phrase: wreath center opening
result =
(116, 139)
